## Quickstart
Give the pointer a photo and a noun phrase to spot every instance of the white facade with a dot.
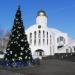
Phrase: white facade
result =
(43, 40)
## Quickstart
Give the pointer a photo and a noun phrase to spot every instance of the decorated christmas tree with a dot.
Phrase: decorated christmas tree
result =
(18, 52)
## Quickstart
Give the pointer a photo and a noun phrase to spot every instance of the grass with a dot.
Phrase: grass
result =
(47, 67)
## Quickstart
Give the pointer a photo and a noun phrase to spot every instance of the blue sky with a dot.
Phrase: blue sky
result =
(61, 13)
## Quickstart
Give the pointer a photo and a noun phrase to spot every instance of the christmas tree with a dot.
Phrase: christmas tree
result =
(18, 52)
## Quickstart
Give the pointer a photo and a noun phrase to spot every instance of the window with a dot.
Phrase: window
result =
(43, 37)
(67, 51)
(74, 48)
(39, 42)
(30, 35)
(47, 38)
(43, 41)
(39, 52)
(59, 46)
(59, 39)
(47, 41)
(39, 26)
(47, 34)
(35, 38)
(35, 34)
(39, 35)
(43, 34)
(34, 41)
(50, 39)
(30, 38)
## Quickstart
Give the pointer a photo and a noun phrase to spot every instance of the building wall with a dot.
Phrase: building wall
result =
(3, 43)
(50, 45)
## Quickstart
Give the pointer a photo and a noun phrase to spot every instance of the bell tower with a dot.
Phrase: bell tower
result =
(41, 18)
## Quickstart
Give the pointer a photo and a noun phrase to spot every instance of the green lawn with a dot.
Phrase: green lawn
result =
(48, 67)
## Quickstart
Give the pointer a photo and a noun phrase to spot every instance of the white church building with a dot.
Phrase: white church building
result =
(45, 41)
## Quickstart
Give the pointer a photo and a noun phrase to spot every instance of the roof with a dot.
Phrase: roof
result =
(41, 13)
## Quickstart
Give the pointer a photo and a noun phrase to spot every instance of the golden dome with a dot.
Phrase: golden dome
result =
(41, 13)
